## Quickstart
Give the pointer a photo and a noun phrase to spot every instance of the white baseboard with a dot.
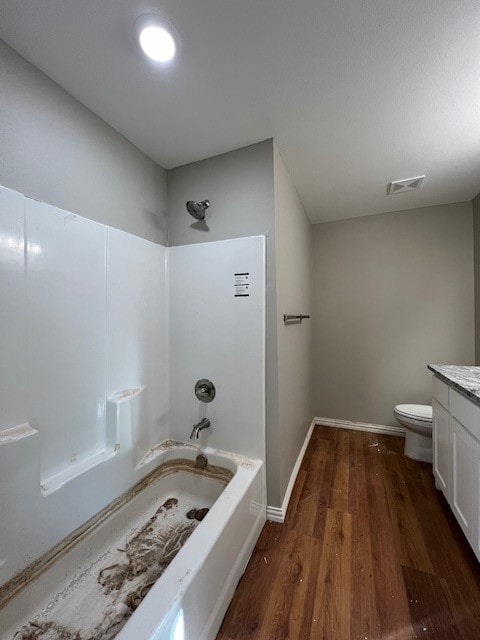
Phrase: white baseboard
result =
(277, 514)
(360, 426)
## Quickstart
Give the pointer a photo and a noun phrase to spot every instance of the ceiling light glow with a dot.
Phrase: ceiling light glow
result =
(156, 42)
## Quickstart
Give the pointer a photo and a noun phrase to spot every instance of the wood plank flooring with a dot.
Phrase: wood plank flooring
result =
(369, 551)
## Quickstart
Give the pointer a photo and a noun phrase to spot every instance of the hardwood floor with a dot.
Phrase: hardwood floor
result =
(369, 551)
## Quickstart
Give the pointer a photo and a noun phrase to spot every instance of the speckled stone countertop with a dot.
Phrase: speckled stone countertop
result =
(466, 380)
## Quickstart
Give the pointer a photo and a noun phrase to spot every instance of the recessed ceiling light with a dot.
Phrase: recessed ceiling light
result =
(155, 38)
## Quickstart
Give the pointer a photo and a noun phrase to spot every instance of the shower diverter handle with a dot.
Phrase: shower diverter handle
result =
(205, 390)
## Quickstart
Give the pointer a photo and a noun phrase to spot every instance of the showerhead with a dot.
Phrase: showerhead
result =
(197, 209)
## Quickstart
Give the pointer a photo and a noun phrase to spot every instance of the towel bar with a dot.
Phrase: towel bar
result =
(300, 317)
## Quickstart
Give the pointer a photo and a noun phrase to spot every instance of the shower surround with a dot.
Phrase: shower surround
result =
(104, 336)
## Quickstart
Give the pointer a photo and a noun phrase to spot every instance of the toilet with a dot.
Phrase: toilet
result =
(417, 420)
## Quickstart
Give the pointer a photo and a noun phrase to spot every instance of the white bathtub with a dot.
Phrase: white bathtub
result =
(190, 598)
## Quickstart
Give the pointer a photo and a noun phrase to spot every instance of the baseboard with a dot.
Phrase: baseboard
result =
(360, 426)
(277, 514)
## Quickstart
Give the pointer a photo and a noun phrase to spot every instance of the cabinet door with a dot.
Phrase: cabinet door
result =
(441, 447)
(463, 468)
(476, 499)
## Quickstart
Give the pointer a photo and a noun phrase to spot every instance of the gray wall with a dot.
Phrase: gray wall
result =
(392, 293)
(239, 186)
(293, 240)
(476, 244)
(251, 193)
(54, 149)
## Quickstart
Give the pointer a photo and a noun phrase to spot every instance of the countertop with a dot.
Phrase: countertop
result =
(466, 380)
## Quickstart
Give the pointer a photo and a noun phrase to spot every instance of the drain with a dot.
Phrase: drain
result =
(201, 461)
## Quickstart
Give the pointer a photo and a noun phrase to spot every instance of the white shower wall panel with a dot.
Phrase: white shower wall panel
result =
(66, 291)
(69, 341)
(13, 349)
(137, 336)
(216, 335)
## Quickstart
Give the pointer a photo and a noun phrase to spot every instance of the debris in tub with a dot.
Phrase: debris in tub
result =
(46, 631)
(125, 584)
(103, 615)
(201, 513)
(197, 514)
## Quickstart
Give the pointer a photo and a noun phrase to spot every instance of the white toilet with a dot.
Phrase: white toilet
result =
(417, 419)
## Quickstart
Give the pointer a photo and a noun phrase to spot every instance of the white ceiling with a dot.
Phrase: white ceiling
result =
(356, 92)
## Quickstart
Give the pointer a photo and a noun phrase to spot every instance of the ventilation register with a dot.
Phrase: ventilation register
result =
(409, 184)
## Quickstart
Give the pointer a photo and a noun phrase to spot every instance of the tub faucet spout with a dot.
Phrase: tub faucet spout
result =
(203, 424)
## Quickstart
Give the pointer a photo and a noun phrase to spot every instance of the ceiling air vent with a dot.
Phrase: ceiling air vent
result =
(409, 184)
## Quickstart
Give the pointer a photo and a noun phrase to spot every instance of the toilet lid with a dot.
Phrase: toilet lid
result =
(416, 411)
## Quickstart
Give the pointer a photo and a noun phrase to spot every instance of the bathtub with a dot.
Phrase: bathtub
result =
(76, 591)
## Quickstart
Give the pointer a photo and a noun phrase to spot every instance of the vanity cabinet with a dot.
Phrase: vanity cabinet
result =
(456, 457)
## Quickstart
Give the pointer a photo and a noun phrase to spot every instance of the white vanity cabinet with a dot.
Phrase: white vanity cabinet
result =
(456, 457)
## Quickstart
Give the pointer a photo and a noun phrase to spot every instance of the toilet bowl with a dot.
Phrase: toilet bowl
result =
(417, 420)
